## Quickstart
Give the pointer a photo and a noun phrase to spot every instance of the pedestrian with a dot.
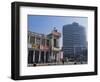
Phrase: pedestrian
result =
(63, 61)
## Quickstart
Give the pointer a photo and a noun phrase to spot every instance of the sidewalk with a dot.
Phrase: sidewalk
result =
(58, 63)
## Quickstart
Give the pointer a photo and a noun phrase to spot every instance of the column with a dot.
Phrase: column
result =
(39, 56)
(45, 56)
(56, 56)
(40, 50)
(52, 47)
(49, 57)
(29, 39)
(34, 56)
(57, 42)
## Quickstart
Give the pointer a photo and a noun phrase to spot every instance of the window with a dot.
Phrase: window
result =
(32, 40)
(55, 43)
(48, 43)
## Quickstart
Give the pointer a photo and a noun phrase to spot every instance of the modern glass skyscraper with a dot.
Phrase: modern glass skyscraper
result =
(74, 41)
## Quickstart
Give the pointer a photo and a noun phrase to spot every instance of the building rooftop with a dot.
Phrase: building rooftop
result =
(53, 32)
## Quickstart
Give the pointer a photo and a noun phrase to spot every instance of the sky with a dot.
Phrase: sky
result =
(45, 24)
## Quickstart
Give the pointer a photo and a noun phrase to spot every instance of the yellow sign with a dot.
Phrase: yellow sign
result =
(35, 46)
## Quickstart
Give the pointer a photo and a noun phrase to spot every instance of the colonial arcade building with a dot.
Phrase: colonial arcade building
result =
(44, 48)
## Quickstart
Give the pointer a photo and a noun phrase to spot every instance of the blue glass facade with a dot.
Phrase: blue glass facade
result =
(74, 40)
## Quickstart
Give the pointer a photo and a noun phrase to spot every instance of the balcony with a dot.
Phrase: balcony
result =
(56, 49)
